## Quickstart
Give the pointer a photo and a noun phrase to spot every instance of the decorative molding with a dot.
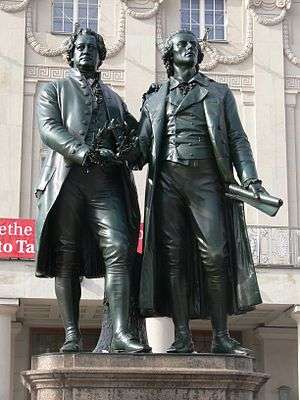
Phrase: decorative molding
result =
(33, 41)
(120, 41)
(143, 14)
(273, 245)
(45, 73)
(282, 5)
(292, 83)
(232, 80)
(48, 73)
(53, 52)
(13, 8)
(213, 55)
(289, 53)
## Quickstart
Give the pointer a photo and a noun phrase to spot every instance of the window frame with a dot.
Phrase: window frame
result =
(75, 17)
(202, 21)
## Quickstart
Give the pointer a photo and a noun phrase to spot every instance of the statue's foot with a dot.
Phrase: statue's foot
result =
(182, 345)
(123, 342)
(226, 345)
(71, 345)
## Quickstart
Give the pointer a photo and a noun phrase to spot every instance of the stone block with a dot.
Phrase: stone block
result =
(87, 376)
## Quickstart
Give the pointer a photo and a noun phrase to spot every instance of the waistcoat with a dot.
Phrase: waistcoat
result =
(187, 136)
(99, 119)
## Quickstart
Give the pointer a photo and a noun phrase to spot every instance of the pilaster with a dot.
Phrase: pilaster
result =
(270, 126)
(295, 314)
(293, 163)
(12, 33)
(8, 308)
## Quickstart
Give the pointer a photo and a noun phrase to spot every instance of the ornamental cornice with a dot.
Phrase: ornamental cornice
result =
(48, 73)
(255, 10)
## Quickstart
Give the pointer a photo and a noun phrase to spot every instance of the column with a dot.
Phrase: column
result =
(16, 329)
(160, 333)
(8, 308)
(292, 163)
(295, 314)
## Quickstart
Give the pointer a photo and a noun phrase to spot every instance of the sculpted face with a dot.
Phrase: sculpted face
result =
(185, 50)
(86, 55)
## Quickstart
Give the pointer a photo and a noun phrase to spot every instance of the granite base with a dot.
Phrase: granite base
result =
(87, 376)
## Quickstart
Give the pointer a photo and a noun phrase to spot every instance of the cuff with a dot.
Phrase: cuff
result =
(250, 181)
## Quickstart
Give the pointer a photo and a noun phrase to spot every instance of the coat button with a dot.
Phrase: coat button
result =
(88, 103)
(87, 113)
(86, 93)
(81, 132)
(84, 122)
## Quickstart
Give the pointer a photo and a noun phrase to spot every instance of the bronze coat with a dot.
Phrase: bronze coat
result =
(230, 147)
(64, 115)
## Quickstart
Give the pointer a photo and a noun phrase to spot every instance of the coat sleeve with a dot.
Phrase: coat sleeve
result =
(145, 136)
(53, 133)
(239, 145)
(129, 118)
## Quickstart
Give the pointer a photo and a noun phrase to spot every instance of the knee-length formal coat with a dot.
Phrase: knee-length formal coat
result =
(231, 148)
(64, 116)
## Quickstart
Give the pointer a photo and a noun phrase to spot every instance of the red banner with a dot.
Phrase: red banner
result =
(17, 238)
(140, 243)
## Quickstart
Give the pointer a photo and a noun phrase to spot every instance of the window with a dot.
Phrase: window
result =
(197, 15)
(65, 13)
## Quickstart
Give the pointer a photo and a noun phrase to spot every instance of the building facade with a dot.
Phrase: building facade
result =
(253, 46)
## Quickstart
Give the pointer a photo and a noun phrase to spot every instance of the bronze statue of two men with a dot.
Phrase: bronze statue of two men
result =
(196, 260)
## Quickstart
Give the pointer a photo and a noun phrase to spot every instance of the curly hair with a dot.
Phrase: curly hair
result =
(167, 55)
(70, 46)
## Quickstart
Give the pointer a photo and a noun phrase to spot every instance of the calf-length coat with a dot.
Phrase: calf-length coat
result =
(64, 115)
(231, 147)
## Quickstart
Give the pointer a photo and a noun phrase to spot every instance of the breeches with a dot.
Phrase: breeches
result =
(97, 201)
(189, 204)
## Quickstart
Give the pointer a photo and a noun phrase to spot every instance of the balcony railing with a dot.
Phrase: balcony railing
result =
(275, 245)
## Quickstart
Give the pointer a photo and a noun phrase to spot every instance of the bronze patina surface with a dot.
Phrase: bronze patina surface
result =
(197, 261)
(88, 219)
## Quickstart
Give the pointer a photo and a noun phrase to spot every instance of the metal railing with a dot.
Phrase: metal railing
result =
(275, 245)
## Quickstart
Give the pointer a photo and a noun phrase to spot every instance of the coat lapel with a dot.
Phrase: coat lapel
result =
(194, 96)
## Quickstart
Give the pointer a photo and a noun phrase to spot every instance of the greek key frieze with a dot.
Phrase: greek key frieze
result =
(48, 73)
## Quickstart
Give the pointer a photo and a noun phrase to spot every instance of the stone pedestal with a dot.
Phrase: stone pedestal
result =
(87, 376)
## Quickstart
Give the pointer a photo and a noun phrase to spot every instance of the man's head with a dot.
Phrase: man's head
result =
(86, 50)
(182, 49)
